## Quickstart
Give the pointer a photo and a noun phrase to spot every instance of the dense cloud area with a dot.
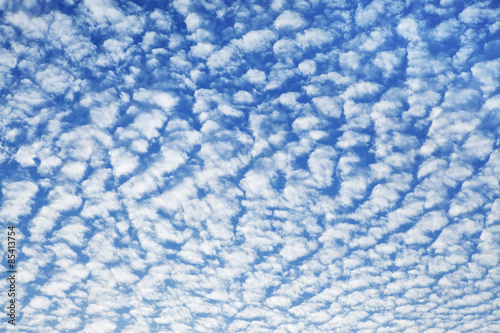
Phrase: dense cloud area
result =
(252, 166)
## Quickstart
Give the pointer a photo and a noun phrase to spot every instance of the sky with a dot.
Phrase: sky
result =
(251, 166)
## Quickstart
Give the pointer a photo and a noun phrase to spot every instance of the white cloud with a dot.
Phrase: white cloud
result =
(447, 29)
(350, 59)
(104, 116)
(62, 198)
(286, 47)
(223, 59)
(321, 165)
(193, 21)
(474, 14)
(162, 99)
(314, 37)
(32, 27)
(289, 99)
(243, 97)
(328, 106)
(257, 185)
(73, 233)
(202, 50)
(99, 326)
(289, 19)
(256, 76)
(147, 124)
(487, 73)
(54, 80)
(256, 41)
(229, 111)
(429, 223)
(278, 302)
(17, 200)
(361, 89)
(123, 162)
(351, 139)
(8, 59)
(408, 28)
(307, 67)
(74, 170)
(376, 39)
(305, 123)
(387, 61)
(296, 248)
(117, 50)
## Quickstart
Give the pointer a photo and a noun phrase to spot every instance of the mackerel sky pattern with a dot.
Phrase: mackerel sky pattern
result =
(251, 166)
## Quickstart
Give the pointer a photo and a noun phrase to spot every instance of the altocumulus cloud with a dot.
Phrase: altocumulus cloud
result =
(292, 166)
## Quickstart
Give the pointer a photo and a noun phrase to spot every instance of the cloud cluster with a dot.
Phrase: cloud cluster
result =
(196, 166)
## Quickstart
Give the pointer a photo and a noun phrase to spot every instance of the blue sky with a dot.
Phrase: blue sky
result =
(252, 166)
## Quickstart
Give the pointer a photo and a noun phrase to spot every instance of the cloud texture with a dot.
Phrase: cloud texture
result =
(211, 166)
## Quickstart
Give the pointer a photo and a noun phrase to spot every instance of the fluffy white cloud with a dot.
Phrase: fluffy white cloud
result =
(17, 200)
(387, 61)
(74, 170)
(314, 37)
(256, 41)
(328, 106)
(487, 73)
(408, 28)
(162, 99)
(256, 76)
(54, 80)
(307, 67)
(123, 162)
(289, 19)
